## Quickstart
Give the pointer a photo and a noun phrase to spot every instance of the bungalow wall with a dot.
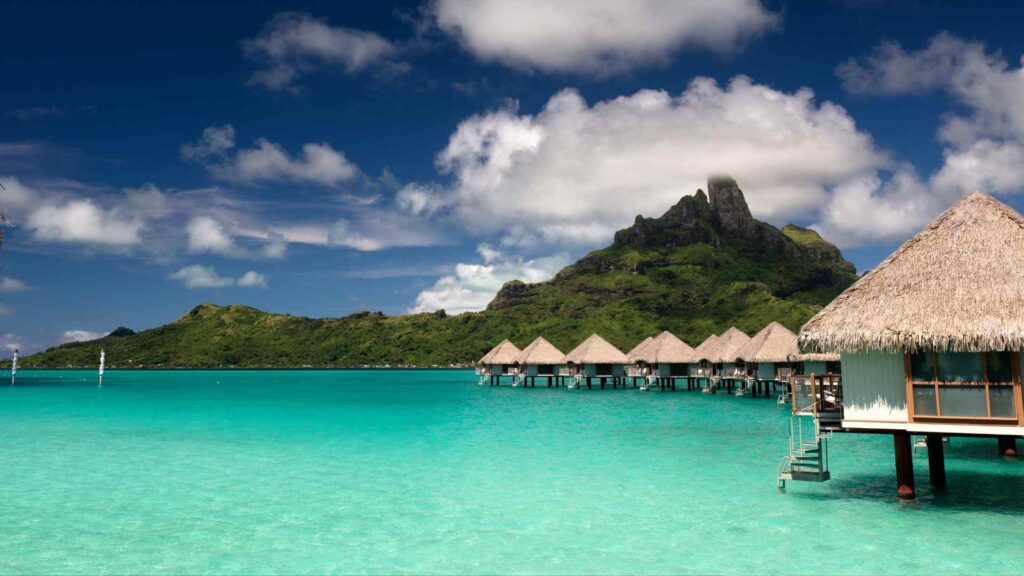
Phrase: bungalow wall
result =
(819, 367)
(666, 370)
(590, 370)
(765, 370)
(695, 369)
(497, 369)
(874, 387)
(729, 368)
(542, 369)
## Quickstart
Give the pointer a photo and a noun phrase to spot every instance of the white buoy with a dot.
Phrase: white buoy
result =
(14, 366)
(103, 361)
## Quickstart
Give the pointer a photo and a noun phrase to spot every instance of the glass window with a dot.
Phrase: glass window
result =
(999, 367)
(967, 384)
(922, 367)
(1001, 401)
(963, 401)
(924, 401)
(961, 367)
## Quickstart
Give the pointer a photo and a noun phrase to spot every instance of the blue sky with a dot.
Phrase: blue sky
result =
(321, 158)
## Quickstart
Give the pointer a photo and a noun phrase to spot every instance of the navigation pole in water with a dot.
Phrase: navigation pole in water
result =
(14, 366)
(103, 361)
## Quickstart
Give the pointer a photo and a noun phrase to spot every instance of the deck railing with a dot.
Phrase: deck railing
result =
(817, 394)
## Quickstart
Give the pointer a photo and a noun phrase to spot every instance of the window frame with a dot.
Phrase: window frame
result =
(937, 384)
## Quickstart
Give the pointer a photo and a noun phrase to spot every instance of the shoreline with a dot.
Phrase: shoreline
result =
(244, 369)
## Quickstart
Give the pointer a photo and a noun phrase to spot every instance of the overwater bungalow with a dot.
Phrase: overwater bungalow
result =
(767, 358)
(637, 363)
(702, 370)
(816, 363)
(539, 359)
(931, 339)
(731, 369)
(596, 359)
(671, 358)
(498, 363)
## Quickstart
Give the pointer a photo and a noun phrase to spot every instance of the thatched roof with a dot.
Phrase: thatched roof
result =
(540, 351)
(815, 357)
(774, 343)
(637, 354)
(729, 345)
(595, 350)
(504, 353)
(708, 349)
(957, 285)
(666, 348)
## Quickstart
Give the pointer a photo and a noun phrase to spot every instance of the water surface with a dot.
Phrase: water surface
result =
(426, 472)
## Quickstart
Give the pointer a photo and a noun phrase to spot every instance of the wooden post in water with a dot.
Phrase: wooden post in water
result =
(936, 461)
(1008, 446)
(904, 466)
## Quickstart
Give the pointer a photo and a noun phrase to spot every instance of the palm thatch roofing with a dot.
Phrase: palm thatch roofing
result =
(730, 343)
(774, 343)
(540, 351)
(958, 285)
(708, 349)
(667, 348)
(504, 353)
(815, 357)
(637, 354)
(595, 350)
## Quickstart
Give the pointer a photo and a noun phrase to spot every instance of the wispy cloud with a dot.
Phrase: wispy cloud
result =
(293, 44)
(198, 276)
(36, 112)
(78, 335)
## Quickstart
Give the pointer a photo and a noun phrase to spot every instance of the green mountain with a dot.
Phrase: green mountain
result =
(703, 266)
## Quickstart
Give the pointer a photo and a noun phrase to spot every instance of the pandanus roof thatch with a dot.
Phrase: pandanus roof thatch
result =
(729, 345)
(815, 357)
(638, 354)
(595, 350)
(540, 351)
(957, 285)
(774, 343)
(708, 349)
(666, 348)
(504, 353)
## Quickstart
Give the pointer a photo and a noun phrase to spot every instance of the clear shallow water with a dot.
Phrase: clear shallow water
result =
(425, 472)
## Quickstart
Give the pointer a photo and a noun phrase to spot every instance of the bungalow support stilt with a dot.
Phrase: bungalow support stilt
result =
(1008, 446)
(936, 461)
(904, 466)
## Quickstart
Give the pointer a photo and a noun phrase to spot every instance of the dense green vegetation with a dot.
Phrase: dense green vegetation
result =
(654, 277)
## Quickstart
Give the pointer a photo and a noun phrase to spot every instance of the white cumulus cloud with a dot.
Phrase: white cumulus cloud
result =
(10, 342)
(598, 36)
(199, 276)
(83, 221)
(8, 284)
(293, 44)
(576, 172)
(79, 336)
(472, 286)
(252, 279)
(983, 146)
(207, 234)
(318, 163)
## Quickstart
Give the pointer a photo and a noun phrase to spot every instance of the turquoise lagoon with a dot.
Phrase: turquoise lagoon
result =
(426, 472)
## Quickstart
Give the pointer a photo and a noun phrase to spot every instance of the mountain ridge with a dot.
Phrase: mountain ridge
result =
(703, 266)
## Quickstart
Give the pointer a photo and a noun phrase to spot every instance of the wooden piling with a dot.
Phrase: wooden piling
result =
(1007, 446)
(936, 461)
(904, 466)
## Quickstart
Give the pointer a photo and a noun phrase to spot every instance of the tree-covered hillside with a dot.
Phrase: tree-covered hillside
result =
(703, 266)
